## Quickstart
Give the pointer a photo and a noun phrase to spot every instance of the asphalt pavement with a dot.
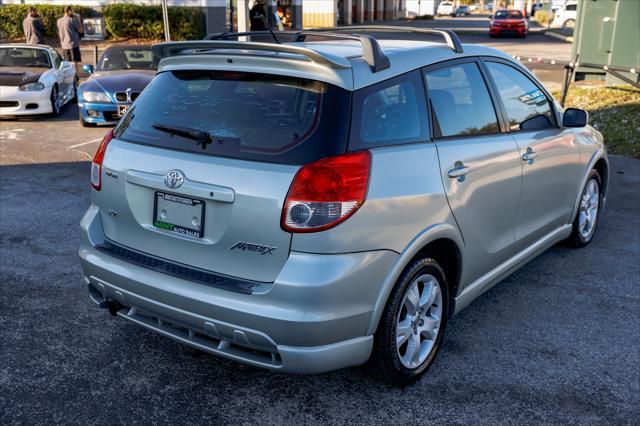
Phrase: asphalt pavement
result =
(556, 342)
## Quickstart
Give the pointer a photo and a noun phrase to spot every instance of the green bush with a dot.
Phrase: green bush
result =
(542, 17)
(121, 20)
(138, 21)
(11, 17)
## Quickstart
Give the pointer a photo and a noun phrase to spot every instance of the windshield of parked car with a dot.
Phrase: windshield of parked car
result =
(508, 14)
(240, 115)
(24, 57)
(128, 58)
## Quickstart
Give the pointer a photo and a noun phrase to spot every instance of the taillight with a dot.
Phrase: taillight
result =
(96, 164)
(326, 192)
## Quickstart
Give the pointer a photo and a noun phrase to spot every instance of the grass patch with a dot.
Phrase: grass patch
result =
(614, 111)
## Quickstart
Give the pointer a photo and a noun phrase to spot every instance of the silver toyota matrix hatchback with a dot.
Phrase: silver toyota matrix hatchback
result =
(331, 200)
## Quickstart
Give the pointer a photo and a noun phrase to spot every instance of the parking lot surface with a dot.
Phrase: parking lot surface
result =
(556, 342)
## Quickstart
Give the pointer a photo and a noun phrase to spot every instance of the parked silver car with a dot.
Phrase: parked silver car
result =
(314, 205)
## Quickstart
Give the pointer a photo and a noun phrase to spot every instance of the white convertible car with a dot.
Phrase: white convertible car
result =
(34, 80)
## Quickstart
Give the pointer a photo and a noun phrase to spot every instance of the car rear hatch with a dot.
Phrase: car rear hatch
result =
(198, 170)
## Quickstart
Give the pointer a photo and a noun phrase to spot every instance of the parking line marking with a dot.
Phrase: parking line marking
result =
(84, 143)
(11, 134)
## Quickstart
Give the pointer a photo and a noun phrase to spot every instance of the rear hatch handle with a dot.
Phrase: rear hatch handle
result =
(191, 188)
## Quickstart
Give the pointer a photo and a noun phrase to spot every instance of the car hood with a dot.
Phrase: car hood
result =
(114, 81)
(17, 76)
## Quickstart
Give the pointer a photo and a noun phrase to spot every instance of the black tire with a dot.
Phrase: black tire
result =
(385, 363)
(577, 239)
(55, 108)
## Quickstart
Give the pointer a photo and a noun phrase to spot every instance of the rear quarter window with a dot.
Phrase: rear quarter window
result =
(250, 116)
(392, 112)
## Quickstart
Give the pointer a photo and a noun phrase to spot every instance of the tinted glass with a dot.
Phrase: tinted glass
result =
(526, 105)
(57, 60)
(572, 7)
(508, 14)
(246, 115)
(24, 57)
(128, 59)
(390, 113)
(460, 101)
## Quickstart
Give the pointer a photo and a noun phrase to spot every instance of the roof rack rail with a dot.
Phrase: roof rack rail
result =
(371, 51)
(164, 50)
(450, 37)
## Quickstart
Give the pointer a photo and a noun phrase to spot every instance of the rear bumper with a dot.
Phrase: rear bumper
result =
(313, 318)
(25, 103)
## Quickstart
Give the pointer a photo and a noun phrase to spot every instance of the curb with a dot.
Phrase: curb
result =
(568, 39)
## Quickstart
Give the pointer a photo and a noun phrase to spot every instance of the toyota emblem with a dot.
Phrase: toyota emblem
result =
(174, 179)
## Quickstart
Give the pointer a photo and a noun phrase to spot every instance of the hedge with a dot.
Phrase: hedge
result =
(139, 21)
(11, 17)
(121, 20)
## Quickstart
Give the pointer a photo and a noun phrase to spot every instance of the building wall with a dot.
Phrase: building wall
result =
(319, 13)
(329, 13)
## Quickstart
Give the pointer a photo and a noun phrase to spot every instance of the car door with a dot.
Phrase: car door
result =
(480, 165)
(64, 76)
(549, 154)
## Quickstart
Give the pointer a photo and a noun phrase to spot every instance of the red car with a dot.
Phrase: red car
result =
(508, 22)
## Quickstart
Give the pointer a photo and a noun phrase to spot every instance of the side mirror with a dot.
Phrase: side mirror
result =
(88, 69)
(490, 16)
(66, 64)
(574, 117)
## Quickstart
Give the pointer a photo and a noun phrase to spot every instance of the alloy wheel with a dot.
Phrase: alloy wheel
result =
(418, 320)
(589, 205)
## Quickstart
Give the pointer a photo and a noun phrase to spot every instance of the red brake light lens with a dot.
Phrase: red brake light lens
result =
(326, 192)
(96, 163)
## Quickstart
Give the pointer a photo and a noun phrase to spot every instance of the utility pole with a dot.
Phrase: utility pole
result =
(165, 19)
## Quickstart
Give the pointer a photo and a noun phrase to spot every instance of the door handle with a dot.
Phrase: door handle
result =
(459, 171)
(529, 156)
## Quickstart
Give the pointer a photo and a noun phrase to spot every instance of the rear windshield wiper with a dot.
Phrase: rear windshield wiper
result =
(201, 137)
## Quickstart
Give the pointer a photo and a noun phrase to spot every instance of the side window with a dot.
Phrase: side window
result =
(57, 60)
(460, 101)
(526, 105)
(572, 7)
(390, 113)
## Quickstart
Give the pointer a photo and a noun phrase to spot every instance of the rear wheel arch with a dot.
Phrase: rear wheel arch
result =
(443, 243)
(447, 253)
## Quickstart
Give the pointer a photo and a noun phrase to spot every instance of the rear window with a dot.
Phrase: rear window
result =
(249, 116)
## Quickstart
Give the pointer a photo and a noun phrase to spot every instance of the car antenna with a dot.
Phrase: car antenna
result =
(266, 24)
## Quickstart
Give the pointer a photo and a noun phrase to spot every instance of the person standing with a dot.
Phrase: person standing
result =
(69, 36)
(33, 27)
(256, 15)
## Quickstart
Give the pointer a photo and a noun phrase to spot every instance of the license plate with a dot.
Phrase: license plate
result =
(179, 214)
(122, 109)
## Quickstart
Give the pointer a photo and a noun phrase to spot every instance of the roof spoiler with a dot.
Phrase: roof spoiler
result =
(371, 51)
(164, 50)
